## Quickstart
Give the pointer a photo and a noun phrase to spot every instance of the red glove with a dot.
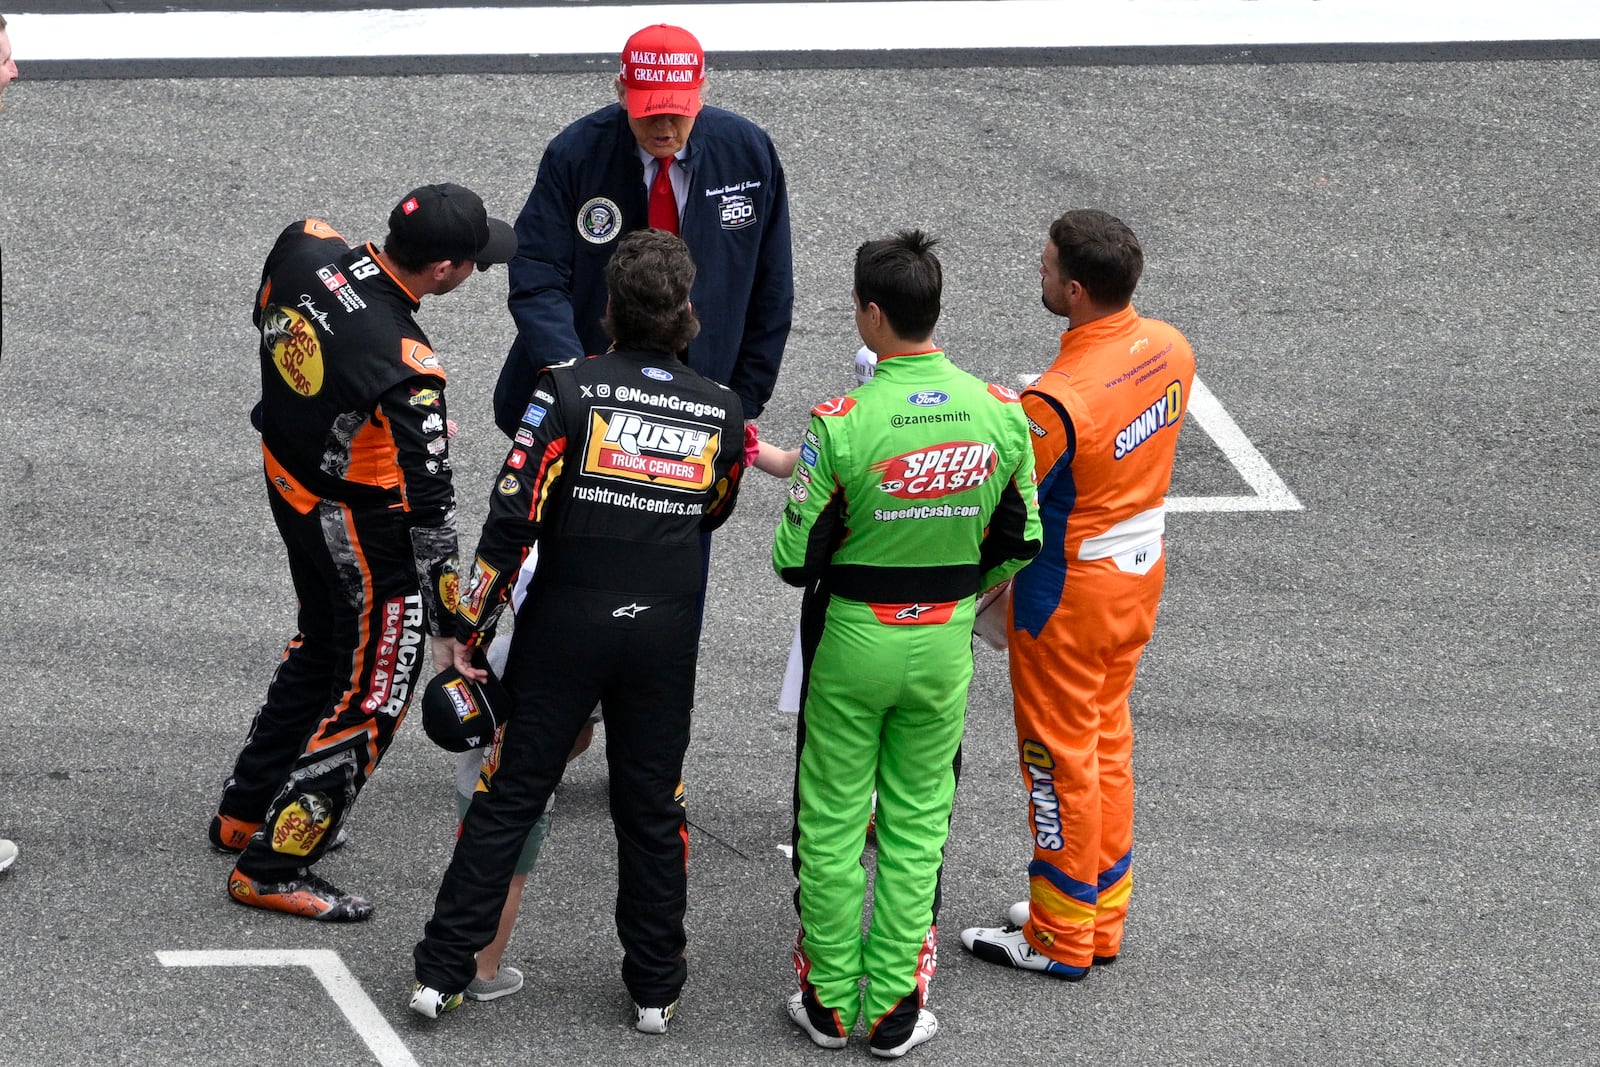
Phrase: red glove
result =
(752, 444)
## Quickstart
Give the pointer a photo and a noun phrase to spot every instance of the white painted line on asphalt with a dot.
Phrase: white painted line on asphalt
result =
(900, 25)
(1271, 494)
(335, 977)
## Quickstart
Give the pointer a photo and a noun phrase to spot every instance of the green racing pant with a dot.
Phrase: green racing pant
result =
(884, 709)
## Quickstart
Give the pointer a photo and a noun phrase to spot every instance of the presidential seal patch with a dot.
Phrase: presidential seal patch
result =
(599, 221)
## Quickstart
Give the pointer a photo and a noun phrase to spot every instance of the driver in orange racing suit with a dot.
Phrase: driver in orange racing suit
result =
(1105, 421)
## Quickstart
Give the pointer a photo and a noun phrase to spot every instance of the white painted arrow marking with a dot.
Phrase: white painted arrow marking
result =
(1271, 494)
(335, 977)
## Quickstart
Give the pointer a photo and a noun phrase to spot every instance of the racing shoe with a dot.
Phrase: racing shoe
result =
(304, 894)
(926, 1027)
(426, 1000)
(822, 1037)
(1007, 946)
(506, 981)
(654, 1020)
(229, 834)
(1017, 915)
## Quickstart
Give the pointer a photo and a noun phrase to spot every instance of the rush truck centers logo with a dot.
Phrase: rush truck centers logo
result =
(634, 447)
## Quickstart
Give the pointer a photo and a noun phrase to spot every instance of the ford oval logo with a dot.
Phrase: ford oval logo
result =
(658, 374)
(928, 398)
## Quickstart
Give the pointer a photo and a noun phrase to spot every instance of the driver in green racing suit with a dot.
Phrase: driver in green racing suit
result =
(912, 494)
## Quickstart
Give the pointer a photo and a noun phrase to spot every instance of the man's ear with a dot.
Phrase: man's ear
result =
(438, 272)
(622, 90)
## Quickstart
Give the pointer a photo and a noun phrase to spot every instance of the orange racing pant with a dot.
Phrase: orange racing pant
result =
(1075, 747)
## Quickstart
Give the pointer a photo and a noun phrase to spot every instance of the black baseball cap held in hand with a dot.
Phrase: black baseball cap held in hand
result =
(458, 713)
(449, 222)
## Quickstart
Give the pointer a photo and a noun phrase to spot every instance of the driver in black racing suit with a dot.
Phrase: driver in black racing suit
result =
(355, 450)
(619, 466)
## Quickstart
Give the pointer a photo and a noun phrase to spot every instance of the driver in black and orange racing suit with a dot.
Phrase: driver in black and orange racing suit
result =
(355, 449)
(619, 466)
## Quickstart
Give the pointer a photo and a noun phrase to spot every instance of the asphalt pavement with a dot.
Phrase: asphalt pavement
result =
(1366, 730)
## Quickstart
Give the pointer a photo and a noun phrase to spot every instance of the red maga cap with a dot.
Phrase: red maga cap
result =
(662, 69)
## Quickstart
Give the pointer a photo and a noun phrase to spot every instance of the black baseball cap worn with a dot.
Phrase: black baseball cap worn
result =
(449, 222)
(458, 713)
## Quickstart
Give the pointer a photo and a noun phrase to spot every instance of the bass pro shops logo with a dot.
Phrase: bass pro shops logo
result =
(937, 471)
(291, 341)
(301, 825)
(669, 453)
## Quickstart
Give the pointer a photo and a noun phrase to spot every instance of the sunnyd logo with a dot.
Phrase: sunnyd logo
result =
(296, 352)
(651, 448)
(937, 471)
(1158, 416)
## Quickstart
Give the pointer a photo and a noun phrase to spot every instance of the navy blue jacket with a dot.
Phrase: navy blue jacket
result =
(590, 191)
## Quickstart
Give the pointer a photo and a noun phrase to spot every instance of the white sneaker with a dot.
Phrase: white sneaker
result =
(1017, 915)
(1007, 946)
(799, 1016)
(8, 853)
(654, 1020)
(926, 1027)
(426, 1000)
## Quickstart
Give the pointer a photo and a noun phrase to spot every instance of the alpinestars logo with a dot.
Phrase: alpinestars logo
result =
(670, 453)
(938, 471)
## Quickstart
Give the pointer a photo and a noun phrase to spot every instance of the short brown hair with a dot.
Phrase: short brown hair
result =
(648, 279)
(1100, 253)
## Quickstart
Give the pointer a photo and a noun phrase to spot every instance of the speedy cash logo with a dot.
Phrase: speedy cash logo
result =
(937, 471)
(671, 453)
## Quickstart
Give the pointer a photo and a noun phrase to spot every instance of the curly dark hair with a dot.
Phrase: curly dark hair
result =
(648, 279)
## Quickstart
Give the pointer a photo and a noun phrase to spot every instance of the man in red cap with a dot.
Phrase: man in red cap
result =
(658, 157)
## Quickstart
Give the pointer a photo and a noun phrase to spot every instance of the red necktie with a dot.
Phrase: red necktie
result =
(663, 201)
